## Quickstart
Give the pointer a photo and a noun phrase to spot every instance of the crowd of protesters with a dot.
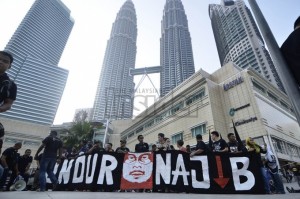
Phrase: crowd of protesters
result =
(13, 164)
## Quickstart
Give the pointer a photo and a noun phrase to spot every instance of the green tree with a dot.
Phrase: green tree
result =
(81, 129)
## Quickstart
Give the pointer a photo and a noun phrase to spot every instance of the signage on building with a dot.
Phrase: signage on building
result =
(233, 83)
(241, 122)
(233, 110)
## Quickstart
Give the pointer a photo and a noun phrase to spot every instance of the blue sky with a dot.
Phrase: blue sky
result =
(84, 53)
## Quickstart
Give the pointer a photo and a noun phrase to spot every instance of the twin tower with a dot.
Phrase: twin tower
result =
(115, 91)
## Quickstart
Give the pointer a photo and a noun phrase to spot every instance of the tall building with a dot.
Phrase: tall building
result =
(176, 55)
(115, 87)
(239, 40)
(37, 46)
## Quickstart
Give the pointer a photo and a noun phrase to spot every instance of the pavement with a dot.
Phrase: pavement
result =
(128, 195)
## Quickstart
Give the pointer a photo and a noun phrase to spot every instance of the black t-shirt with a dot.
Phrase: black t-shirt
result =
(235, 147)
(52, 144)
(8, 89)
(201, 145)
(98, 149)
(12, 156)
(142, 147)
(122, 150)
(23, 163)
(219, 145)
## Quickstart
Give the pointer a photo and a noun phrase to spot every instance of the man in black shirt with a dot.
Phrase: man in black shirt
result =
(51, 145)
(200, 147)
(98, 147)
(141, 146)
(8, 91)
(122, 148)
(234, 146)
(24, 163)
(9, 161)
(218, 145)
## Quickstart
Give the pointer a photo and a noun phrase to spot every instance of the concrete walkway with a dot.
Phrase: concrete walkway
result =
(118, 195)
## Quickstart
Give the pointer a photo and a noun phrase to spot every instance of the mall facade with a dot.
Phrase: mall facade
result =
(207, 102)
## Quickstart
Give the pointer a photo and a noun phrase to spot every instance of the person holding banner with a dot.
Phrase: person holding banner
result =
(234, 146)
(272, 169)
(255, 148)
(218, 145)
(201, 147)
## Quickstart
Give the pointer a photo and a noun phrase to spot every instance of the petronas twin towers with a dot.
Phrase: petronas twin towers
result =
(116, 87)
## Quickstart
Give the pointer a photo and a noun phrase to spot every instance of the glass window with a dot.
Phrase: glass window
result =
(273, 97)
(178, 136)
(32, 143)
(258, 87)
(12, 140)
(201, 129)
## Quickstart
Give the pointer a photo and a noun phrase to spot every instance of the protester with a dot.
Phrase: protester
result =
(141, 146)
(201, 147)
(122, 148)
(24, 163)
(108, 147)
(272, 168)
(73, 153)
(96, 148)
(153, 147)
(188, 148)
(234, 146)
(255, 148)
(51, 145)
(8, 92)
(296, 171)
(84, 147)
(180, 145)
(9, 161)
(218, 145)
(161, 145)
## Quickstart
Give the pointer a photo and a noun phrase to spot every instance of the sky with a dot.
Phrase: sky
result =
(85, 49)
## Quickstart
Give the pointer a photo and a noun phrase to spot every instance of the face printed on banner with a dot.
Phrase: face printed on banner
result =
(138, 167)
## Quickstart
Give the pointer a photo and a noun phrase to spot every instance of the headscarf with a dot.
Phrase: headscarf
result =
(254, 145)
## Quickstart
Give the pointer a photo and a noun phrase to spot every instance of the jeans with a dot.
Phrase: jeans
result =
(277, 182)
(7, 173)
(47, 165)
(266, 180)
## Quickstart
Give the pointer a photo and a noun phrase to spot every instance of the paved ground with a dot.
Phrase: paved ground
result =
(117, 195)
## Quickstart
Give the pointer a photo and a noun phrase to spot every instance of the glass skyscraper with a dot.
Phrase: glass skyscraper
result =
(239, 40)
(37, 46)
(176, 54)
(115, 87)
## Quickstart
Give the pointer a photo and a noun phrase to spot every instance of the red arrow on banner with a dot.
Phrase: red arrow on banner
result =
(221, 181)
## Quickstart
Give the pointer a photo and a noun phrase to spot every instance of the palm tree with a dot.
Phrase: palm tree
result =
(81, 129)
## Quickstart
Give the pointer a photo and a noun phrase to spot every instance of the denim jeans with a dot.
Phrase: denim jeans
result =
(47, 165)
(266, 180)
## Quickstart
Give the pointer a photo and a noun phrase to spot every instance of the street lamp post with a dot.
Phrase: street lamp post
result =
(285, 75)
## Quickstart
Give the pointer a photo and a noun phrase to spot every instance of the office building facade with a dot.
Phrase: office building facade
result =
(176, 54)
(115, 87)
(239, 40)
(207, 102)
(37, 46)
